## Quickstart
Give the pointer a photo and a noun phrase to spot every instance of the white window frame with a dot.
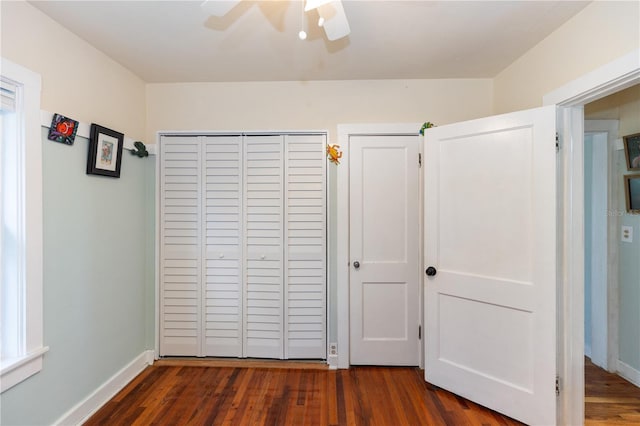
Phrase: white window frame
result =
(30, 359)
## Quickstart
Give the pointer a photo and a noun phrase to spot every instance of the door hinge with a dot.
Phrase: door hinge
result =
(419, 332)
(557, 142)
(557, 385)
(419, 159)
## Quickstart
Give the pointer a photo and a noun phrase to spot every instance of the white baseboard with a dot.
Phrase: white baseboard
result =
(629, 373)
(332, 360)
(92, 403)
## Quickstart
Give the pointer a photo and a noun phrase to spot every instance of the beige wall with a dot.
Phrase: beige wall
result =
(316, 105)
(78, 80)
(623, 106)
(599, 34)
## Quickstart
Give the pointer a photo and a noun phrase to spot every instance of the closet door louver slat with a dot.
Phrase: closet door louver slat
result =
(180, 223)
(305, 247)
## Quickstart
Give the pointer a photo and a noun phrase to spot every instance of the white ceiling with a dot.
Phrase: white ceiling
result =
(176, 41)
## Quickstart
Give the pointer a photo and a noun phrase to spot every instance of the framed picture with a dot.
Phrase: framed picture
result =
(105, 151)
(632, 193)
(632, 151)
(63, 129)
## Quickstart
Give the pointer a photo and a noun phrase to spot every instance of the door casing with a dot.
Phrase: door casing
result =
(612, 77)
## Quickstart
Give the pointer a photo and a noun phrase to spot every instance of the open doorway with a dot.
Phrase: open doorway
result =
(612, 270)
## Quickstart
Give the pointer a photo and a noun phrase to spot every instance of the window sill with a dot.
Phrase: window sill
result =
(16, 370)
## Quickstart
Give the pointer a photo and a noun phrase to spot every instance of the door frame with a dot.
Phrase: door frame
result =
(612, 77)
(342, 225)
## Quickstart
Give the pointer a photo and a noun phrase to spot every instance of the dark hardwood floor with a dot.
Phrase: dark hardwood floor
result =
(609, 399)
(201, 395)
(210, 392)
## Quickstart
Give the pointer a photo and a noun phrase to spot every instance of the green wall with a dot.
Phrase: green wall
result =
(97, 279)
(629, 270)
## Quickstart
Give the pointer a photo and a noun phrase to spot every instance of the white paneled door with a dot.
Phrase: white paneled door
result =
(384, 249)
(243, 246)
(490, 246)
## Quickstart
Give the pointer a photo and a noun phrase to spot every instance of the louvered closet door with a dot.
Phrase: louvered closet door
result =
(263, 250)
(305, 247)
(180, 269)
(222, 176)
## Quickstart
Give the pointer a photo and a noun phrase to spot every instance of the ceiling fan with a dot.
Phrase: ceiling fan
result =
(331, 13)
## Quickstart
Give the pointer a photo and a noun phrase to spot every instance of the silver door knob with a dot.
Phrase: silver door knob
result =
(356, 264)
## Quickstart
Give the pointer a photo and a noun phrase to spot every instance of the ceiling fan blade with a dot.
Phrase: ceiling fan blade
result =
(219, 7)
(335, 24)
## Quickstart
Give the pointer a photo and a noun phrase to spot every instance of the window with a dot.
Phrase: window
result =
(21, 337)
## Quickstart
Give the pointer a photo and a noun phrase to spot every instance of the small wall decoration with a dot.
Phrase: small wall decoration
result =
(63, 129)
(105, 151)
(632, 193)
(334, 154)
(632, 151)
(425, 126)
(140, 149)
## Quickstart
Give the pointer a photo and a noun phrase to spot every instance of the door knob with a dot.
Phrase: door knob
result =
(431, 271)
(356, 264)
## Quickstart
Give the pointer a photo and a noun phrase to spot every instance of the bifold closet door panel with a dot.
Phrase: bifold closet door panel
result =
(180, 246)
(222, 274)
(263, 200)
(305, 246)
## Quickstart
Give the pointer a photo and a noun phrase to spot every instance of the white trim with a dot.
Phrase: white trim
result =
(570, 285)
(157, 240)
(629, 373)
(609, 78)
(342, 251)
(84, 131)
(22, 368)
(614, 76)
(92, 403)
(332, 361)
(31, 176)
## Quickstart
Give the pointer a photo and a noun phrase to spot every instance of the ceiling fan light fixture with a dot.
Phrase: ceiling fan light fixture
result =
(314, 4)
